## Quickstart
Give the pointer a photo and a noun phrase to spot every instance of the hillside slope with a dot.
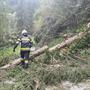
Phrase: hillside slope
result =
(51, 71)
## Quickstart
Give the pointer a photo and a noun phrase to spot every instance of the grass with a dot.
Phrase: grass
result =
(7, 54)
(47, 74)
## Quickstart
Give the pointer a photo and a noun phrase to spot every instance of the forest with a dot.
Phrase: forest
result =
(60, 54)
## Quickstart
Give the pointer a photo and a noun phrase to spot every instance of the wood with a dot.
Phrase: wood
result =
(37, 85)
(39, 51)
(68, 41)
(12, 64)
(33, 54)
(45, 48)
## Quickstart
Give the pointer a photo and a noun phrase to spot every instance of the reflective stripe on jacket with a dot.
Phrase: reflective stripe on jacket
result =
(25, 49)
(25, 42)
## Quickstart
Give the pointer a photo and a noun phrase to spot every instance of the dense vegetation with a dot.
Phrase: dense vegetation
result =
(48, 21)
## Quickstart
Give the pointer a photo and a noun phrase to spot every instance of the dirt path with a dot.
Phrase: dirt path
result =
(71, 86)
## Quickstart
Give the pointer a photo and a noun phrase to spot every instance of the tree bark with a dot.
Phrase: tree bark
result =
(33, 54)
(68, 41)
(39, 51)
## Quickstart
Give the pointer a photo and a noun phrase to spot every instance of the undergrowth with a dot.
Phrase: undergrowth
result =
(7, 55)
(49, 68)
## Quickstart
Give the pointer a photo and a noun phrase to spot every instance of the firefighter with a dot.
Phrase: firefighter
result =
(26, 44)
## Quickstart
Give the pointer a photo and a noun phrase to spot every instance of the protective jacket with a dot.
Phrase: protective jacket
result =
(26, 43)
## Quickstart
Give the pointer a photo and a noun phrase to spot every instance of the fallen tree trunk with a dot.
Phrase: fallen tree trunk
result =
(68, 41)
(33, 54)
(39, 51)
(12, 64)
(43, 49)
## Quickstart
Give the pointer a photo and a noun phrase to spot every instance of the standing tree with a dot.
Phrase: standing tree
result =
(7, 22)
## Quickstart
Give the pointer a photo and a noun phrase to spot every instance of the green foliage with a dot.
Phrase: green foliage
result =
(47, 58)
(48, 74)
(7, 55)
(50, 77)
(74, 74)
(80, 45)
(54, 76)
(56, 41)
(7, 22)
(14, 72)
(51, 18)
(24, 79)
(67, 67)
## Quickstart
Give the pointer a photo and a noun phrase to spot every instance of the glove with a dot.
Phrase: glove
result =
(13, 50)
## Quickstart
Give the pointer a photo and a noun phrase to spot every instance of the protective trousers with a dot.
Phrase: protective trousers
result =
(25, 58)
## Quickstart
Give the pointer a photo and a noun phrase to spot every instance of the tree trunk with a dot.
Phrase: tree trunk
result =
(33, 54)
(68, 41)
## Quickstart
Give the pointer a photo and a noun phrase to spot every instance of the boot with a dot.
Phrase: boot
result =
(26, 64)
